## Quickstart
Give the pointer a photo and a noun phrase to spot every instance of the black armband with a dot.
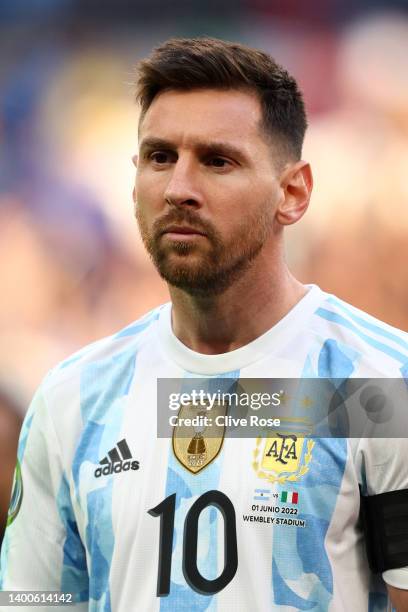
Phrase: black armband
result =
(385, 524)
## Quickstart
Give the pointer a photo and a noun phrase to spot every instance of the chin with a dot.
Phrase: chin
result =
(183, 275)
(200, 281)
(184, 265)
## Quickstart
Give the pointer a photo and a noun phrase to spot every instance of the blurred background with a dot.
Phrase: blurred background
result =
(72, 268)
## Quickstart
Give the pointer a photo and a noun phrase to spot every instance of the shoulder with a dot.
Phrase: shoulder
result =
(378, 348)
(103, 353)
(87, 390)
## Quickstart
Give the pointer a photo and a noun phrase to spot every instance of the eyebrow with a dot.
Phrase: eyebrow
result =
(203, 147)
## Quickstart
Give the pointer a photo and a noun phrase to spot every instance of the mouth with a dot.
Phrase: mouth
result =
(182, 232)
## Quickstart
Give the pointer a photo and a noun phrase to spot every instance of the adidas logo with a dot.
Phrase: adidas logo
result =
(119, 459)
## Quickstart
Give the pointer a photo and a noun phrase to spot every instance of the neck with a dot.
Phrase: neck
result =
(217, 324)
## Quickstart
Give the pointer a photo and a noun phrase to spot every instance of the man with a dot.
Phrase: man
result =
(126, 520)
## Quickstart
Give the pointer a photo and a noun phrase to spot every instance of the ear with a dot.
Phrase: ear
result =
(134, 159)
(296, 184)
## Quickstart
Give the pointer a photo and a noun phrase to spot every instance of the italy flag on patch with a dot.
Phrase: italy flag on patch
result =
(288, 497)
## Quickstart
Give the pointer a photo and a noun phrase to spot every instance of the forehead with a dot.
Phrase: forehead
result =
(229, 115)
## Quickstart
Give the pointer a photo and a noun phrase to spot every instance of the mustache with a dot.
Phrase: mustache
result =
(183, 217)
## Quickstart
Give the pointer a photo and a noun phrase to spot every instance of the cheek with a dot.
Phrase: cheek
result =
(251, 213)
(239, 195)
(145, 205)
(148, 190)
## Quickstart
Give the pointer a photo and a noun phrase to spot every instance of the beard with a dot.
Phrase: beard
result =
(211, 264)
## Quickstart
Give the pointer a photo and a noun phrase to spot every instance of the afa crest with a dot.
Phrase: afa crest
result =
(282, 458)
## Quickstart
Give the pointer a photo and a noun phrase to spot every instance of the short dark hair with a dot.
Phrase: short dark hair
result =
(198, 63)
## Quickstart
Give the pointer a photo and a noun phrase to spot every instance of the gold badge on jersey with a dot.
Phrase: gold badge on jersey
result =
(192, 447)
(285, 457)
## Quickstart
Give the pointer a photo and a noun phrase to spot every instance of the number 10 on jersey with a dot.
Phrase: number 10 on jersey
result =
(166, 510)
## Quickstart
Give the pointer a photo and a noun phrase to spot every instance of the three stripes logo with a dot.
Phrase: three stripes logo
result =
(119, 459)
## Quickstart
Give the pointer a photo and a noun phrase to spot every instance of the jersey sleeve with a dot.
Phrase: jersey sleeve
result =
(382, 467)
(42, 549)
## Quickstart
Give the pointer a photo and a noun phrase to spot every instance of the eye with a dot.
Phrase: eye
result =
(160, 157)
(218, 162)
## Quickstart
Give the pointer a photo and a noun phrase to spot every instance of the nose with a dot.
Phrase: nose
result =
(182, 188)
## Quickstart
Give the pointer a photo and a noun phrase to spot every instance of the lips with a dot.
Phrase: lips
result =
(182, 229)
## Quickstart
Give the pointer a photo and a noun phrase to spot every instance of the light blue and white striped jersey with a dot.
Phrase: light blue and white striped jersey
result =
(103, 508)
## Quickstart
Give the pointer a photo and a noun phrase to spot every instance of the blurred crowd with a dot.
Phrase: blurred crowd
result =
(72, 268)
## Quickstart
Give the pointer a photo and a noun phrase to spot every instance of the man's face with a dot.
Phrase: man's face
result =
(206, 187)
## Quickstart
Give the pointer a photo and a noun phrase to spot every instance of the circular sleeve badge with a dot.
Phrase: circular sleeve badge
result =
(16, 495)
